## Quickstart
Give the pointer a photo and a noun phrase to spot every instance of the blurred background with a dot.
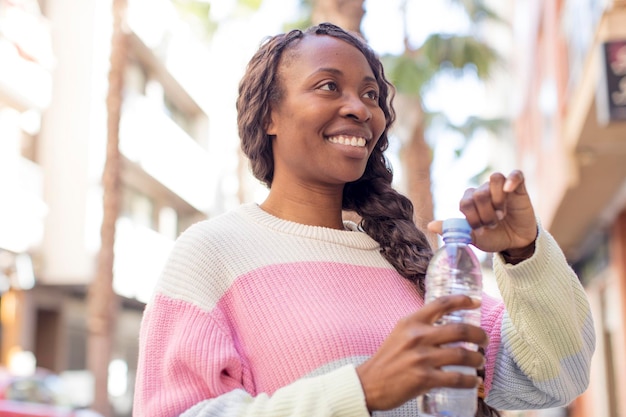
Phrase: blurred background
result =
(118, 131)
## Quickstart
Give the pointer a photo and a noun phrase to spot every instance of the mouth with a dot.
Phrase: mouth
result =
(355, 141)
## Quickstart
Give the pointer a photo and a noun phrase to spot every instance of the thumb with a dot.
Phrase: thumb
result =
(436, 226)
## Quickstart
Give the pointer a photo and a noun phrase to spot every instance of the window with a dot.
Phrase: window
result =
(138, 207)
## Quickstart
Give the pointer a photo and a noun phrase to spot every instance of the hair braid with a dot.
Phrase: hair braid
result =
(386, 215)
(259, 89)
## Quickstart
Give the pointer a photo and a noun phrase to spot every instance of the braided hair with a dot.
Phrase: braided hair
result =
(385, 214)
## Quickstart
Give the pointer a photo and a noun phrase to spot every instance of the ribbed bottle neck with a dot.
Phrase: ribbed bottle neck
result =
(456, 230)
(457, 238)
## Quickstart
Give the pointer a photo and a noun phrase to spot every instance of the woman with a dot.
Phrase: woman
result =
(284, 308)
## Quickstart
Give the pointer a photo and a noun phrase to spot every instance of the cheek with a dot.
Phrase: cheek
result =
(379, 122)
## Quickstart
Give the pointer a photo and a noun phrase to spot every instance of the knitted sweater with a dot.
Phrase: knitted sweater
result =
(258, 316)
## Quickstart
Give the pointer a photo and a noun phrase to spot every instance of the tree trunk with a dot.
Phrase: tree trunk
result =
(416, 159)
(344, 13)
(101, 299)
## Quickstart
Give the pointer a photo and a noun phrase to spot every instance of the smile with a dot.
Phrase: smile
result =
(355, 141)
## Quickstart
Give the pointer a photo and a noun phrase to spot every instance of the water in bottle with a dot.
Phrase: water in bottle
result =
(454, 269)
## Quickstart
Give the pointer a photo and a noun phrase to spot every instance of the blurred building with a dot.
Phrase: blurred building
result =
(54, 61)
(571, 127)
(26, 73)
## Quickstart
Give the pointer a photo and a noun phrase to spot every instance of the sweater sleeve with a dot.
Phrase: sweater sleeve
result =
(547, 334)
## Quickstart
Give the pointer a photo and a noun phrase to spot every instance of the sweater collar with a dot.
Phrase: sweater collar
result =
(351, 237)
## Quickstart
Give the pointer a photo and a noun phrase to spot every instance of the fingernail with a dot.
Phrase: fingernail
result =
(500, 214)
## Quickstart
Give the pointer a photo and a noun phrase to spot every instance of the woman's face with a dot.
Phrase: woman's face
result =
(328, 119)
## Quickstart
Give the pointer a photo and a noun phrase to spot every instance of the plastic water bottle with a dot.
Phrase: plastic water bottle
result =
(454, 269)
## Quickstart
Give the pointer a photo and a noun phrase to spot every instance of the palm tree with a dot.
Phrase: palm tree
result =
(344, 13)
(412, 72)
(101, 299)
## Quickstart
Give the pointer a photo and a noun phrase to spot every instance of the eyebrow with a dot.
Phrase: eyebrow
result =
(338, 72)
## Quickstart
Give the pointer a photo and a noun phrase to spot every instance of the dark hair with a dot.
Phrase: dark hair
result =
(386, 215)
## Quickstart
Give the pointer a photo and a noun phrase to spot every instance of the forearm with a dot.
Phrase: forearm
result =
(198, 371)
(548, 330)
(337, 393)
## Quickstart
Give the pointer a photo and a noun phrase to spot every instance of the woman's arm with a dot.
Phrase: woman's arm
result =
(547, 331)
(189, 366)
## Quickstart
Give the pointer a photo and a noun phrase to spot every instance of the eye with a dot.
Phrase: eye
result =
(372, 94)
(329, 86)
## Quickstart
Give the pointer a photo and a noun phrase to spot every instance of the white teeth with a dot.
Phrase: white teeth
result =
(348, 140)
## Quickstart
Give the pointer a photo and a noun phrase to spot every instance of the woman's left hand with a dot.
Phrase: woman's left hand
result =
(501, 215)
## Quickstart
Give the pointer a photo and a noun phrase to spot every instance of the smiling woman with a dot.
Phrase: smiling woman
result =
(287, 308)
(326, 143)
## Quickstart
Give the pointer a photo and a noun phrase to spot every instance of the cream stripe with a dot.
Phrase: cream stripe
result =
(210, 255)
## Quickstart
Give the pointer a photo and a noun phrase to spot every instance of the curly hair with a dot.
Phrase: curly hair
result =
(386, 215)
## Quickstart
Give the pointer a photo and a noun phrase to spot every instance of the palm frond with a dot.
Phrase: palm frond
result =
(473, 124)
(408, 73)
(459, 52)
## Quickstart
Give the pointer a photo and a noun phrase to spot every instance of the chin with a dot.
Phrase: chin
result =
(353, 178)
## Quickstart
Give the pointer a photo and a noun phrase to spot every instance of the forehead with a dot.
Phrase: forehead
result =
(322, 51)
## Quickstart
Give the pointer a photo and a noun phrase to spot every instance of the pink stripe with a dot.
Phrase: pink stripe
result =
(491, 319)
(278, 324)
(310, 314)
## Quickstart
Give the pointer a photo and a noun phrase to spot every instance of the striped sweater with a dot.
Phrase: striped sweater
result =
(258, 316)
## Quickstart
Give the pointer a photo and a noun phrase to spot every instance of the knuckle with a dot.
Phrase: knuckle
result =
(419, 338)
(459, 380)
(482, 195)
(464, 331)
(464, 355)
(466, 204)
(444, 300)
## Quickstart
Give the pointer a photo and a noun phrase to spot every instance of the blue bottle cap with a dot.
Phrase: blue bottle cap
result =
(456, 226)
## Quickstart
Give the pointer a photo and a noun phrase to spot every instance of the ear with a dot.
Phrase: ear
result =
(270, 125)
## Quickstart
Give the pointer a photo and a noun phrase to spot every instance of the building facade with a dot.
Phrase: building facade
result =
(54, 61)
(571, 129)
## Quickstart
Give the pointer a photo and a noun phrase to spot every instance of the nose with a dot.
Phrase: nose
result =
(353, 107)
